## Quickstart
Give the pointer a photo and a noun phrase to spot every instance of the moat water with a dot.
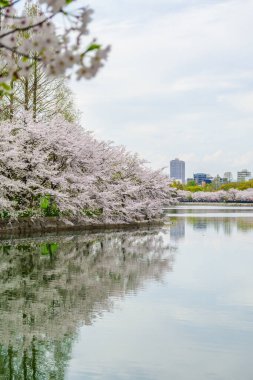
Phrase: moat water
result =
(170, 303)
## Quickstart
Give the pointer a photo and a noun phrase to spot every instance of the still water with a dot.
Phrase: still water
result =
(172, 303)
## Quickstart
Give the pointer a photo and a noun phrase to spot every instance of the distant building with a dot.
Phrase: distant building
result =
(201, 178)
(217, 182)
(224, 181)
(243, 175)
(228, 176)
(177, 170)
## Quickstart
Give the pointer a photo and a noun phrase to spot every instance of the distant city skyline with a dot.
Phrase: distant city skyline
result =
(241, 173)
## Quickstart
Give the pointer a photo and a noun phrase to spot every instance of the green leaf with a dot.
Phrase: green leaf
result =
(48, 248)
(45, 202)
(44, 249)
(4, 3)
(92, 47)
(5, 86)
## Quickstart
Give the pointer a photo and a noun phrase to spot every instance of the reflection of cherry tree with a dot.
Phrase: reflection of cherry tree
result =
(49, 289)
(226, 224)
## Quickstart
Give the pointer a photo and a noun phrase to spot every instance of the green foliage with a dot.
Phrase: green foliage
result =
(93, 213)
(178, 185)
(117, 176)
(48, 206)
(48, 248)
(4, 3)
(65, 102)
(26, 213)
(4, 214)
(5, 86)
(90, 48)
(45, 202)
(189, 187)
(195, 188)
(238, 185)
(4, 90)
(212, 187)
(115, 277)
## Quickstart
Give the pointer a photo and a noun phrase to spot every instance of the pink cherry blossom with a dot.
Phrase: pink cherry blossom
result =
(87, 178)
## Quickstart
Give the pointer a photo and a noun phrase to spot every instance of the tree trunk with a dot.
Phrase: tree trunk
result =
(10, 357)
(26, 105)
(35, 89)
(12, 101)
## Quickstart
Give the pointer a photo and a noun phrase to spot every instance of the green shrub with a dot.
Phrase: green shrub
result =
(48, 206)
(48, 248)
(93, 213)
(4, 214)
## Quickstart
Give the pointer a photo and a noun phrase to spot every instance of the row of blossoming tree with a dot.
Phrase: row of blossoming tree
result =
(57, 168)
(232, 195)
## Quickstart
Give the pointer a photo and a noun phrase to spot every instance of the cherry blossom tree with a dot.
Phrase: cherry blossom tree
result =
(39, 92)
(59, 48)
(58, 166)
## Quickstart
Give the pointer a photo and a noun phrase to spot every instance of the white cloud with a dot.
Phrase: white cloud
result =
(214, 157)
(244, 160)
(243, 101)
(192, 157)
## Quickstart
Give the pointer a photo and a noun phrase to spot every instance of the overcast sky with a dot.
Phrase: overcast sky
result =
(178, 83)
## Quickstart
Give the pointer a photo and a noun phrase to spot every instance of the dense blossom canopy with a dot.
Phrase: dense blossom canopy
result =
(57, 162)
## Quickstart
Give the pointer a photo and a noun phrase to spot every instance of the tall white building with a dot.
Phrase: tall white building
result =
(177, 170)
(243, 175)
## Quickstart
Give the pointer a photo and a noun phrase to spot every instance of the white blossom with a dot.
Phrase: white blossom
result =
(60, 49)
(91, 179)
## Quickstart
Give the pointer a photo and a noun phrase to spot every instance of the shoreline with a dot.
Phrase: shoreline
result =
(28, 226)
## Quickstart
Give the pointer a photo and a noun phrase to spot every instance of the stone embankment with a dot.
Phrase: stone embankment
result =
(25, 226)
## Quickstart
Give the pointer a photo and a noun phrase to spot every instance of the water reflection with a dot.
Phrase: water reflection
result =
(48, 288)
(200, 224)
(227, 225)
(204, 209)
(177, 229)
